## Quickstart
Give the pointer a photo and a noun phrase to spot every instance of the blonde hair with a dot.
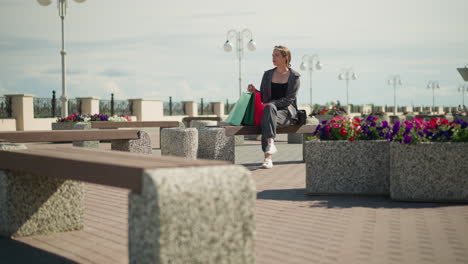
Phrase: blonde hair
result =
(285, 52)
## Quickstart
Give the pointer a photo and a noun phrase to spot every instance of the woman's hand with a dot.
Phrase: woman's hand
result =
(251, 88)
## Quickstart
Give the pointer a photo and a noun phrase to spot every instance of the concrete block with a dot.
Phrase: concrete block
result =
(36, 204)
(429, 171)
(214, 145)
(295, 138)
(76, 126)
(193, 215)
(181, 142)
(202, 123)
(142, 145)
(345, 167)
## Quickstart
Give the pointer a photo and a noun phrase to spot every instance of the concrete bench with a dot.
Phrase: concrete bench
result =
(217, 143)
(122, 140)
(180, 210)
(151, 127)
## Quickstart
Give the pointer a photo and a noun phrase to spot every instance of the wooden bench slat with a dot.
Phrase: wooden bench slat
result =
(256, 130)
(97, 124)
(67, 135)
(112, 168)
(213, 118)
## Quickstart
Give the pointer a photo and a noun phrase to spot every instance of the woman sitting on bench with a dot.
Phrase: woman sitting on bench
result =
(278, 90)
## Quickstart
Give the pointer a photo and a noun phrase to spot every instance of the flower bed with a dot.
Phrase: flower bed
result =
(96, 117)
(354, 156)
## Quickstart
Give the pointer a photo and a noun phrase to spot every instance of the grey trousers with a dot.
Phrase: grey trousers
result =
(272, 117)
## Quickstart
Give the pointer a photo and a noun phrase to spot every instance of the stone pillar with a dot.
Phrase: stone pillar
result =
(439, 110)
(408, 109)
(347, 108)
(89, 105)
(218, 108)
(147, 110)
(419, 109)
(38, 204)
(366, 109)
(193, 215)
(191, 108)
(381, 108)
(22, 110)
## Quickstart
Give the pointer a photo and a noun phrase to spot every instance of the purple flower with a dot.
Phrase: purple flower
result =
(407, 139)
(384, 124)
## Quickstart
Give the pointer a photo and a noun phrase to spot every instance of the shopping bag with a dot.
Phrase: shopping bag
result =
(258, 109)
(237, 113)
(249, 112)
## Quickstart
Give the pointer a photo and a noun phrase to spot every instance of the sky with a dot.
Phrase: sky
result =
(156, 49)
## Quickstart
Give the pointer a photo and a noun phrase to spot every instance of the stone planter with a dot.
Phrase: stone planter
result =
(345, 167)
(432, 171)
(76, 126)
(309, 121)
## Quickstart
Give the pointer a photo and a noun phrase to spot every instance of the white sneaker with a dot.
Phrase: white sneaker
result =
(267, 164)
(271, 149)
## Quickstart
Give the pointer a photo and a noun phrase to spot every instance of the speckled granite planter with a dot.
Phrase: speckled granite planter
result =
(203, 123)
(344, 167)
(36, 204)
(309, 121)
(181, 142)
(76, 126)
(141, 145)
(429, 172)
(238, 140)
(213, 144)
(193, 215)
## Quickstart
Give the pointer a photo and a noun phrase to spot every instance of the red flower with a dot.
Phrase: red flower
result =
(351, 139)
(324, 111)
(343, 132)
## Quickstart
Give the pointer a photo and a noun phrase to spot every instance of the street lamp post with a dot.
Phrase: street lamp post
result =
(347, 74)
(394, 80)
(62, 9)
(311, 63)
(462, 88)
(433, 85)
(238, 36)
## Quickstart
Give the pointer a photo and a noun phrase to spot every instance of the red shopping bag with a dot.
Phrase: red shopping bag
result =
(258, 109)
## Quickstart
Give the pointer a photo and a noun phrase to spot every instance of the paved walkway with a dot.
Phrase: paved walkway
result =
(291, 227)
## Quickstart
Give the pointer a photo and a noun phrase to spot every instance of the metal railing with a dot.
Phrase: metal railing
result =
(5, 107)
(115, 107)
(205, 108)
(43, 107)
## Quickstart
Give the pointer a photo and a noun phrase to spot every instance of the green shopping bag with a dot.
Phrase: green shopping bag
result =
(237, 113)
(249, 113)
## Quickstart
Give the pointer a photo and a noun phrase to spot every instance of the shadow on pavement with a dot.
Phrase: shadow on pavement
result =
(255, 166)
(345, 200)
(12, 251)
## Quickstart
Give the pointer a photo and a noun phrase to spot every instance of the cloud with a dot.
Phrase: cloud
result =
(115, 73)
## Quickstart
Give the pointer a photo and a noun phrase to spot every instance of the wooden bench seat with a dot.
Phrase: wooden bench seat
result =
(42, 192)
(112, 168)
(134, 124)
(123, 140)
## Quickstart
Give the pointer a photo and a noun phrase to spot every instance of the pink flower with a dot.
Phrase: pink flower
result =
(327, 128)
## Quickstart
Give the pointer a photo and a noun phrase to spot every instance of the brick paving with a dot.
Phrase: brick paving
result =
(291, 226)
